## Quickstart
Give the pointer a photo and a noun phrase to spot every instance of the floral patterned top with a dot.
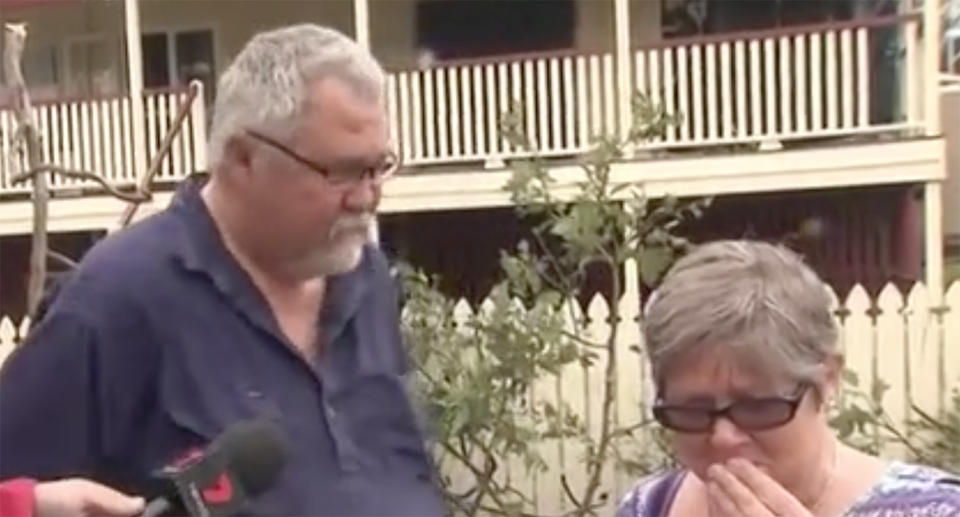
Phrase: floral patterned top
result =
(904, 490)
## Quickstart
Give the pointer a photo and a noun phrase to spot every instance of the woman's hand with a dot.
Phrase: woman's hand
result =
(738, 488)
(83, 498)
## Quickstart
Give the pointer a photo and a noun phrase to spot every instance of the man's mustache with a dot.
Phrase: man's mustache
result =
(352, 224)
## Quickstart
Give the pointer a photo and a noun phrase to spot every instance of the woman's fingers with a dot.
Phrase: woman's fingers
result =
(752, 492)
(719, 503)
(778, 499)
(745, 502)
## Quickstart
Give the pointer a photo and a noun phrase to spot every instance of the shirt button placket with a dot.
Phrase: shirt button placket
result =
(346, 451)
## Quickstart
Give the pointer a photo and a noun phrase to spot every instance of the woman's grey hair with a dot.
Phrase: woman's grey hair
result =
(266, 85)
(758, 301)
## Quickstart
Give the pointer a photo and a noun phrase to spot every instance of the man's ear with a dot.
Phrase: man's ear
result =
(236, 154)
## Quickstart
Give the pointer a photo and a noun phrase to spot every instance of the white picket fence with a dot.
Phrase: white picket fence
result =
(913, 347)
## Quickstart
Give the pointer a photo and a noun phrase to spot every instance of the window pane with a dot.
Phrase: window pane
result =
(156, 63)
(90, 70)
(195, 59)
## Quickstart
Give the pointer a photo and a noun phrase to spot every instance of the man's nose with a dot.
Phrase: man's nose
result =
(726, 435)
(364, 196)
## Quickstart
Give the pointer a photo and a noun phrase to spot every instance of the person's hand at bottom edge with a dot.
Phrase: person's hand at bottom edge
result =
(77, 497)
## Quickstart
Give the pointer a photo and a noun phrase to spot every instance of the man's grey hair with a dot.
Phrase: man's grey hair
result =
(757, 301)
(266, 86)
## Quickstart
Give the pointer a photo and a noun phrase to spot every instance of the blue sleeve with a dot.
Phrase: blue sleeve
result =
(630, 505)
(652, 496)
(67, 397)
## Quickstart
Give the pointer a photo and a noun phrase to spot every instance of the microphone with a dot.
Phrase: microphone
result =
(244, 461)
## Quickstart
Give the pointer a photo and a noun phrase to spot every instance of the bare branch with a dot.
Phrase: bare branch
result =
(62, 259)
(582, 341)
(569, 492)
(609, 394)
(163, 151)
(15, 39)
(133, 197)
(483, 485)
(479, 474)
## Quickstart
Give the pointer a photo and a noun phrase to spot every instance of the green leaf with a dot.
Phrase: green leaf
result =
(850, 377)
(653, 263)
(843, 425)
(620, 188)
(877, 390)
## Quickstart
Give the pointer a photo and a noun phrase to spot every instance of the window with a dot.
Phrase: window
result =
(90, 67)
(156, 60)
(175, 58)
(475, 28)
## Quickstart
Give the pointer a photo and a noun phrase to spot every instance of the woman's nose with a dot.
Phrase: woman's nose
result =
(726, 435)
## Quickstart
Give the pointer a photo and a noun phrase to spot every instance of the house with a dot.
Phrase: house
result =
(829, 116)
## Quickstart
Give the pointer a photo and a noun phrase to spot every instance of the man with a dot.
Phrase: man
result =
(253, 295)
(65, 498)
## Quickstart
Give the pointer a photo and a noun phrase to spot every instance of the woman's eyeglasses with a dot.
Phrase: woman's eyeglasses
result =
(752, 414)
(339, 176)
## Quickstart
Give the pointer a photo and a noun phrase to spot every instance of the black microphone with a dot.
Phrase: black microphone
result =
(244, 461)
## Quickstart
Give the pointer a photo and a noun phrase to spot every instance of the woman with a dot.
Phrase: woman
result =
(743, 351)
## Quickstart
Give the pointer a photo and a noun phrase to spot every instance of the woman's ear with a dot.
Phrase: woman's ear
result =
(831, 379)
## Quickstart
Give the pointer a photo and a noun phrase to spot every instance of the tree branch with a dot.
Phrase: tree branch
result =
(484, 485)
(154, 167)
(609, 390)
(628, 430)
(503, 513)
(62, 259)
(569, 493)
(132, 197)
(15, 39)
(586, 343)
(556, 284)
(465, 460)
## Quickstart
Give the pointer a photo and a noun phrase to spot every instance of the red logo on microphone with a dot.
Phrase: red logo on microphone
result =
(220, 492)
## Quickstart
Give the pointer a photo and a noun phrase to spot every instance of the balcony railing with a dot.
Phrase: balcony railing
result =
(97, 135)
(802, 82)
(807, 82)
(815, 81)
(452, 112)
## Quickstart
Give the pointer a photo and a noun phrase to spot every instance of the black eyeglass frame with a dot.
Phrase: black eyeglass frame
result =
(791, 403)
(377, 178)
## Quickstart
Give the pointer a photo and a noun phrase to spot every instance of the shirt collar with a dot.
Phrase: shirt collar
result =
(203, 251)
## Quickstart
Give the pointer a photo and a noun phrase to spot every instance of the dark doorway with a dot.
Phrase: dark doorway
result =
(15, 265)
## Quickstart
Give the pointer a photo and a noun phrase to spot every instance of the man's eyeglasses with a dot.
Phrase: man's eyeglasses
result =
(338, 175)
(752, 414)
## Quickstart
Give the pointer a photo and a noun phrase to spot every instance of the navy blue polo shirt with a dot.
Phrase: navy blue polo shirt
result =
(160, 340)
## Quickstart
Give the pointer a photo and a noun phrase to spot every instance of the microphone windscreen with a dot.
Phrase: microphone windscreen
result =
(255, 453)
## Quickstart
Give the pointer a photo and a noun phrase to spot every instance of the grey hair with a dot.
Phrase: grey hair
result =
(756, 300)
(266, 85)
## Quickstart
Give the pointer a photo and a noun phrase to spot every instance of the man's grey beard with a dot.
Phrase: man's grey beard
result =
(351, 223)
(340, 255)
